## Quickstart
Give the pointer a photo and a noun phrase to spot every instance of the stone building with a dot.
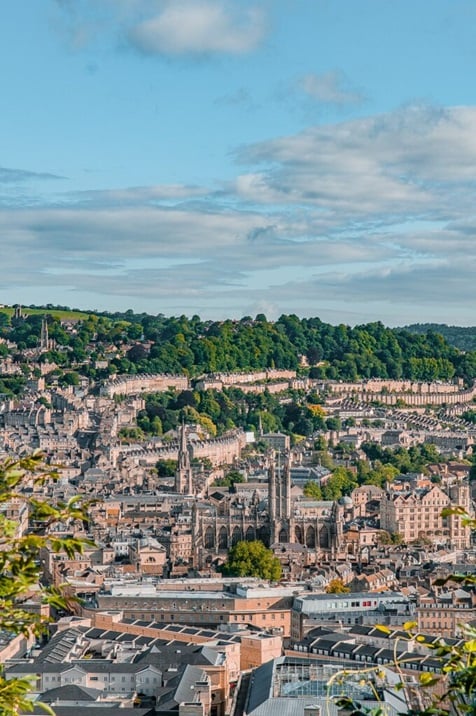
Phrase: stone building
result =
(219, 524)
(417, 514)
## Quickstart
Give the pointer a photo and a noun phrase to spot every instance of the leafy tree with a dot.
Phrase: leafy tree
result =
(166, 468)
(207, 424)
(230, 479)
(412, 460)
(337, 586)
(334, 423)
(312, 490)
(341, 482)
(323, 457)
(378, 475)
(320, 444)
(128, 435)
(470, 416)
(20, 566)
(70, 378)
(252, 559)
(384, 537)
(387, 538)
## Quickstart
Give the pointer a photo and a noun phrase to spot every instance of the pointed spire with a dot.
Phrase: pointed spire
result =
(183, 448)
(184, 473)
(44, 340)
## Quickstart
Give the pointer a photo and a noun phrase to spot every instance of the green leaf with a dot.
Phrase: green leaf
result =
(427, 679)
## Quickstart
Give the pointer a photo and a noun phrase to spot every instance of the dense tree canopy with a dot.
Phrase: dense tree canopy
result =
(461, 337)
(180, 344)
(252, 559)
(413, 459)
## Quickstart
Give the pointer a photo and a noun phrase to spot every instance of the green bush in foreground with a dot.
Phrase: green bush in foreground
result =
(20, 566)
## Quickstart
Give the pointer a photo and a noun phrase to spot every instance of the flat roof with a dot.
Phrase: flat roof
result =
(152, 592)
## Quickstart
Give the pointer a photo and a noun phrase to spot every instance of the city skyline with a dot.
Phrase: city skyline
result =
(232, 158)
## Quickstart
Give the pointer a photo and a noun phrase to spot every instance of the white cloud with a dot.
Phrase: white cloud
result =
(15, 176)
(372, 218)
(140, 195)
(402, 162)
(331, 87)
(171, 28)
(199, 27)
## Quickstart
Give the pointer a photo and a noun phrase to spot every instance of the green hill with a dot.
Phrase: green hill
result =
(461, 337)
(62, 314)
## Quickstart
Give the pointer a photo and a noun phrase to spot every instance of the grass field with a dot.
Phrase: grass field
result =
(56, 313)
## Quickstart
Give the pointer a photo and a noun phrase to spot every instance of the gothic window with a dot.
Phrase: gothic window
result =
(324, 538)
(310, 536)
(223, 538)
(209, 538)
(283, 536)
(237, 536)
(250, 534)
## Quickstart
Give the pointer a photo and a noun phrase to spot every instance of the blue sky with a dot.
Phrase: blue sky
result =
(233, 157)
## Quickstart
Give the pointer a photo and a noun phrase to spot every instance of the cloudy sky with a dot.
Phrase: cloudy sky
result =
(230, 157)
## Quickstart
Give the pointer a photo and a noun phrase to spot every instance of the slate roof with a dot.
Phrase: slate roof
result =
(261, 683)
(106, 710)
(70, 692)
(344, 647)
(166, 655)
(94, 666)
(60, 645)
(185, 690)
(320, 631)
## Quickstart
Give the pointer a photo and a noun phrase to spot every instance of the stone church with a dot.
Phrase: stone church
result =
(221, 521)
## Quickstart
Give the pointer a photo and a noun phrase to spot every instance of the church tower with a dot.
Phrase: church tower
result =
(183, 475)
(272, 500)
(286, 489)
(279, 500)
(44, 339)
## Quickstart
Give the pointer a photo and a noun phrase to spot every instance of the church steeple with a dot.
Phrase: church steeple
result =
(44, 339)
(183, 475)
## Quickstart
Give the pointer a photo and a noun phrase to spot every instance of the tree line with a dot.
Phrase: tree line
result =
(160, 344)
